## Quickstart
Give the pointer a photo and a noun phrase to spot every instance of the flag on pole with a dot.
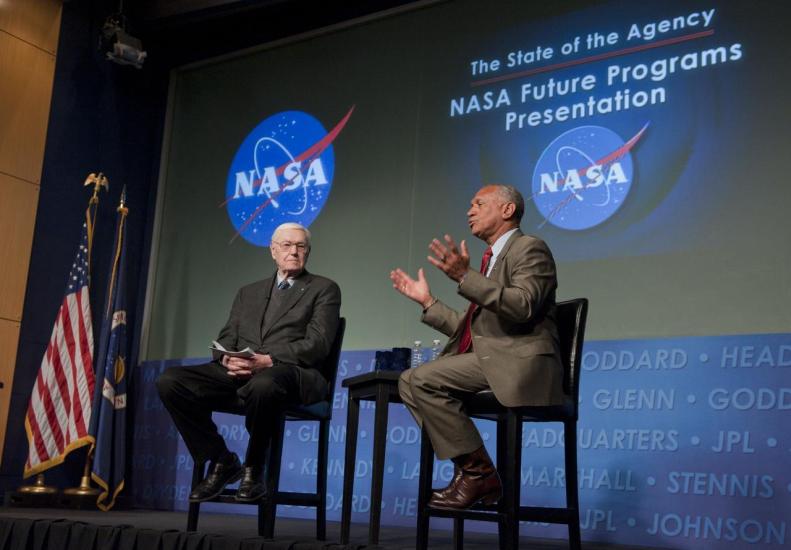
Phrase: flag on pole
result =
(59, 412)
(108, 422)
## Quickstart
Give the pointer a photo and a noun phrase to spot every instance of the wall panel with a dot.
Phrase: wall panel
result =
(36, 22)
(29, 33)
(9, 337)
(25, 93)
(18, 201)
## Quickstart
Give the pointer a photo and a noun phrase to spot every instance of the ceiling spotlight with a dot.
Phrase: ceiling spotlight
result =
(118, 46)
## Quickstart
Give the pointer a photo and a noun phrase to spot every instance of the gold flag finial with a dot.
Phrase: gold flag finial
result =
(98, 180)
(122, 203)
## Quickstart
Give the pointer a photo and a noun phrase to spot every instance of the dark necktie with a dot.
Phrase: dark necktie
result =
(466, 337)
(283, 285)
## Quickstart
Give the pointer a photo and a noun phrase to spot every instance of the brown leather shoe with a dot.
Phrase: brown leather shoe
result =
(478, 482)
(442, 493)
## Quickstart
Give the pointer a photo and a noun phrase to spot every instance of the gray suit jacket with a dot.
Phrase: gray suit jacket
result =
(300, 334)
(513, 330)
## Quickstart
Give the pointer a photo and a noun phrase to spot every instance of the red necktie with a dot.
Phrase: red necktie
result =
(466, 337)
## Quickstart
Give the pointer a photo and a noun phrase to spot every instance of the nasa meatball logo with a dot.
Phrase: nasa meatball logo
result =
(583, 177)
(282, 172)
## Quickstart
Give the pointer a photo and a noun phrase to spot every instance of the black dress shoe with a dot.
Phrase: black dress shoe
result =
(252, 487)
(221, 473)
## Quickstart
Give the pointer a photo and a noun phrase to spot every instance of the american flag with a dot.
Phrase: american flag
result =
(59, 412)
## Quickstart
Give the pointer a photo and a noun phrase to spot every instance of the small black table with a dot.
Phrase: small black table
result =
(382, 388)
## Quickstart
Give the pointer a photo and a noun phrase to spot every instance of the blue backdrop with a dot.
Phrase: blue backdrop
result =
(681, 445)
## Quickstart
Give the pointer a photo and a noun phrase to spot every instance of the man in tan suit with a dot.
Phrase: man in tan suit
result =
(506, 341)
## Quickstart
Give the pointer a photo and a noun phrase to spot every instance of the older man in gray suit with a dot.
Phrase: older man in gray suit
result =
(289, 320)
(506, 340)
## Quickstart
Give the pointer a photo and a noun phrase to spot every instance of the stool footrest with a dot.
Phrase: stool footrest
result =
(283, 497)
(298, 499)
(492, 513)
(474, 515)
(226, 497)
(547, 515)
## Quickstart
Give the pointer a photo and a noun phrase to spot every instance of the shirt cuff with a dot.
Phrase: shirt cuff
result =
(433, 301)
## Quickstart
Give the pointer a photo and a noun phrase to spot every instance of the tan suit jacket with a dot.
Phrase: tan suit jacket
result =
(514, 334)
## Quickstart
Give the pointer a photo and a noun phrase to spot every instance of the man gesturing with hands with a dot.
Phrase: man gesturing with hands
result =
(505, 341)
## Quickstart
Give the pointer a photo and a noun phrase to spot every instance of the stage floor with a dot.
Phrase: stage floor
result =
(286, 529)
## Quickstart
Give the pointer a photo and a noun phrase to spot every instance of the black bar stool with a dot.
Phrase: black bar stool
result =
(267, 508)
(571, 318)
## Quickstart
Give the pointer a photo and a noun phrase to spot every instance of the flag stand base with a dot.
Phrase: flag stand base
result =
(38, 488)
(84, 489)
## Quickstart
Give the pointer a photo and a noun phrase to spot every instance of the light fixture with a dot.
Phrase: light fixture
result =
(119, 46)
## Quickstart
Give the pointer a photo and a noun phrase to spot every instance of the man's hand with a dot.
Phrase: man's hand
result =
(260, 361)
(453, 262)
(417, 290)
(240, 367)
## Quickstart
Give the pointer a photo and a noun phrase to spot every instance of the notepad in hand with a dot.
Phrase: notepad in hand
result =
(219, 350)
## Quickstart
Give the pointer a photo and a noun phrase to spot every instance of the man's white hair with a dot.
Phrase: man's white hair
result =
(292, 225)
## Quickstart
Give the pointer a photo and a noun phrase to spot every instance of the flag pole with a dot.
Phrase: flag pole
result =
(98, 181)
(108, 417)
(84, 489)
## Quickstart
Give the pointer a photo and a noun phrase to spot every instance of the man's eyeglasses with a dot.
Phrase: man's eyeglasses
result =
(301, 247)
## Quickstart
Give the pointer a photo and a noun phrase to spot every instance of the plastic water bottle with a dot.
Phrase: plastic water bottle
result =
(417, 354)
(435, 349)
